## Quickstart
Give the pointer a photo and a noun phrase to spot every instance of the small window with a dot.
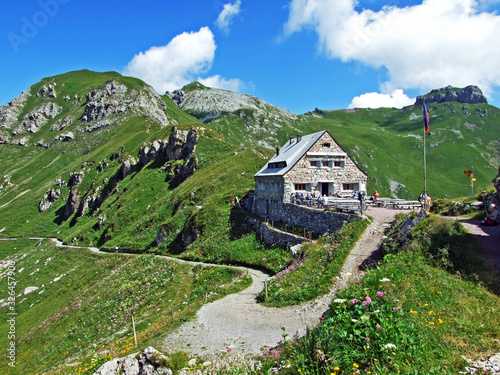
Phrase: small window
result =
(314, 163)
(337, 164)
(326, 145)
(300, 187)
(282, 165)
(326, 163)
(348, 186)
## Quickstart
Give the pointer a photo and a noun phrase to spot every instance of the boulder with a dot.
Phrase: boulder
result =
(149, 362)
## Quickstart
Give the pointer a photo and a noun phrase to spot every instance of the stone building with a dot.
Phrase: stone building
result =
(313, 163)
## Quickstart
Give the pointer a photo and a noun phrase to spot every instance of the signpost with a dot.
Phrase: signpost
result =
(470, 174)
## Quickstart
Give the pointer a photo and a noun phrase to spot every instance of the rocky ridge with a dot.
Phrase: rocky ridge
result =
(214, 106)
(177, 155)
(110, 105)
(470, 94)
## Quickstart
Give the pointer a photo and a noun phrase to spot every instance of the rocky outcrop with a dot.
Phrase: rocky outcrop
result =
(399, 235)
(50, 197)
(72, 203)
(177, 96)
(149, 362)
(105, 102)
(115, 98)
(180, 146)
(9, 113)
(47, 91)
(35, 120)
(75, 178)
(469, 94)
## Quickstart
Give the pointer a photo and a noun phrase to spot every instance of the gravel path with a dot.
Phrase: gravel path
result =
(239, 323)
(487, 237)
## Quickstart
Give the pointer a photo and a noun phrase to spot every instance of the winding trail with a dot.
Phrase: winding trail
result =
(239, 323)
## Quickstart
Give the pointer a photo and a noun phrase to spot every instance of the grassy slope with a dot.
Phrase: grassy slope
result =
(384, 143)
(81, 314)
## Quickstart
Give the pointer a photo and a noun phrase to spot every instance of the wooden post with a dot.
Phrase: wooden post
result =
(135, 335)
(172, 311)
(265, 285)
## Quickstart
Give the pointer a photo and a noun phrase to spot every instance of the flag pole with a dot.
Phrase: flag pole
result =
(425, 163)
(426, 129)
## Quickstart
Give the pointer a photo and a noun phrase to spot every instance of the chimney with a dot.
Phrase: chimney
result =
(277, 151)
(291, 139)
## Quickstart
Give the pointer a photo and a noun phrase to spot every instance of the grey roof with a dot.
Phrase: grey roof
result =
(291, 154)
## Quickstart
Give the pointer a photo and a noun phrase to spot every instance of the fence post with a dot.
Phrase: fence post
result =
(135, 335)
(265, 284)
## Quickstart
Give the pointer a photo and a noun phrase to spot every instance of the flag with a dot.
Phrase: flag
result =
(426, 118)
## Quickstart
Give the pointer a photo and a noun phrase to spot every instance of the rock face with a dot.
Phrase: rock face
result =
(149, 362)
(115, 98)
(469, 94)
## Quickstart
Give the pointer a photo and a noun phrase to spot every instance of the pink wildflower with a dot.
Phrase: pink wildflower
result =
(368, 300)
(357, 283)
(380, 294)
(367, 339)
(355, 301)
(395, 308)
(378, 326)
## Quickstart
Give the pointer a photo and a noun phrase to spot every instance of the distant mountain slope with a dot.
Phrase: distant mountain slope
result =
(241, 118)
(90, 156)
(388, 144)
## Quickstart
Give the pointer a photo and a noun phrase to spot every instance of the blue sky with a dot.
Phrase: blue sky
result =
(295, 54)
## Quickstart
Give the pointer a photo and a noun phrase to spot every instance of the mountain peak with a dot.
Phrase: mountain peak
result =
(469, 94)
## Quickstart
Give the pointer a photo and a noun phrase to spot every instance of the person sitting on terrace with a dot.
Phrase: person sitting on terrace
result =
(355, 194)
(492, 218)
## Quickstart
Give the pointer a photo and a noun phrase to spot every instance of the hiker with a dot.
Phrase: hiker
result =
(492, 218)
(427, 202)
(376, 195)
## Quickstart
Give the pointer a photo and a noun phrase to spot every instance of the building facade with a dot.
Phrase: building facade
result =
(312, 164)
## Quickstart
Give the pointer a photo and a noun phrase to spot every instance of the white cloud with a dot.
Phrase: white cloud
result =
(235, 84)
(430, 45)
(172, 66)
(396, 99)
(227, 15)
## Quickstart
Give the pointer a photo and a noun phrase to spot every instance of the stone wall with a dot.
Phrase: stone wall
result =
(273, 236)
(314, 220)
